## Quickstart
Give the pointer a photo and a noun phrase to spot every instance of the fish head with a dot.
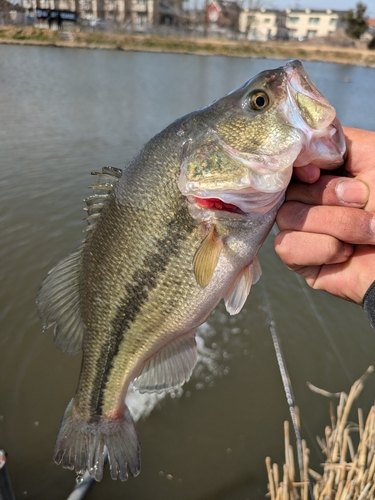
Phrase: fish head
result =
(254, 137)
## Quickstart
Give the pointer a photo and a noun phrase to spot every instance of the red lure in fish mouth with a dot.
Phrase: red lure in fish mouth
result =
(215, 204)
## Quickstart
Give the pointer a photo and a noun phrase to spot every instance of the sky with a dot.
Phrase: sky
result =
(320, 4)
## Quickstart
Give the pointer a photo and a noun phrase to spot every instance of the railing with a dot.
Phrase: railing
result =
(16, 18)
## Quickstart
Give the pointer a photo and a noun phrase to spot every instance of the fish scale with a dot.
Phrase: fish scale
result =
(170, 235)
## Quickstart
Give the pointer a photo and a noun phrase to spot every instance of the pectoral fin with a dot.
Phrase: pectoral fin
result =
(257, 270)
(240, 289)
(170, 367)
(207, 257)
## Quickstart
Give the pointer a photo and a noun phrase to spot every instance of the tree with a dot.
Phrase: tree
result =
(356, 22)
(251, 6)
(77, 5)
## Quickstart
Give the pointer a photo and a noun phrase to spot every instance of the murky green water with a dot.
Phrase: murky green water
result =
(67, 112)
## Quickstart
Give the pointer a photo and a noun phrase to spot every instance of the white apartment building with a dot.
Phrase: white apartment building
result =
(137, 12)
(310, 23)
(142, 12)
(261, 24)
(267, 24)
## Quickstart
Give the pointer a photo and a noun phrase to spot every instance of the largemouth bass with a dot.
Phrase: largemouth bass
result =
(170, 235)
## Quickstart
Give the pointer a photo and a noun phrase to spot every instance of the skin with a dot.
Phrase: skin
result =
(327, 224)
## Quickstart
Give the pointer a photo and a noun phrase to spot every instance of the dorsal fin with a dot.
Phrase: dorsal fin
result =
(59, 296)
(106, 181)
(58, 303)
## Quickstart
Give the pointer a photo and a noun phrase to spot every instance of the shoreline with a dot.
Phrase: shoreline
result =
(11, 35)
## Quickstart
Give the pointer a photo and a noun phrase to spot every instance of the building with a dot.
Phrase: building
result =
(263, 24)
(139, 13)
(371, 26)
(223, 14)
(309, 23)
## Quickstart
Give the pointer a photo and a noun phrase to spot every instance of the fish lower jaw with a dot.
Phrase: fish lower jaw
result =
(323, 148)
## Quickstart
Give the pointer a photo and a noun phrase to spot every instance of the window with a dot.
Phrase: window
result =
(267, 20)
(333, 22)
(314, 20)
(293, 20)
(141, 19)
(311, 33)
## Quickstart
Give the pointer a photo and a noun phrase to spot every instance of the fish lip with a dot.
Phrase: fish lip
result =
(324, 142)
(299, 83)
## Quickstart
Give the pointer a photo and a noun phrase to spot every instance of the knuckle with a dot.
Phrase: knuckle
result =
(337, 251)
(355, 226)
(281, 245)
(291, 215)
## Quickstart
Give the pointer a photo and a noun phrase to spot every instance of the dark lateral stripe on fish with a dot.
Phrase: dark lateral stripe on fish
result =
(136, 295)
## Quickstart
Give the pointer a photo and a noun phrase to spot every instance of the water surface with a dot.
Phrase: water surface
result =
(65, 113)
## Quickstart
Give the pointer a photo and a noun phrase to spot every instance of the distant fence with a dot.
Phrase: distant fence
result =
(189, 31)
(177, 31)
(16, 18)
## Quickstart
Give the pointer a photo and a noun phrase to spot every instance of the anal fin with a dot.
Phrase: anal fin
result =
(170, 367)
(240, 289)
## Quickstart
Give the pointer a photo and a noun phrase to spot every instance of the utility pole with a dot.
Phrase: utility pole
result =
(77, 6)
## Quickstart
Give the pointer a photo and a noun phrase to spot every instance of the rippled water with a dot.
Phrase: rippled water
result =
(67, 112)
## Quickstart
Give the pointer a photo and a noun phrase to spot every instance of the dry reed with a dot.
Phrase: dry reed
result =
(348, 473)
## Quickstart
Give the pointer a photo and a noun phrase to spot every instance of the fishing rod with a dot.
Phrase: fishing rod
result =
(286, 383)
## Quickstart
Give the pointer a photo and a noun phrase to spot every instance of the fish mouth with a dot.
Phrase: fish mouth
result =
(309, 110)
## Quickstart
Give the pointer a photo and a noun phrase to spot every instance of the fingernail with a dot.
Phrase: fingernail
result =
(353, 192)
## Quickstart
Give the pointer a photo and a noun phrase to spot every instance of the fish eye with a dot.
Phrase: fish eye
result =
(258, 100)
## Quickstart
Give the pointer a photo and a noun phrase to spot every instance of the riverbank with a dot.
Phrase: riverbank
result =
(153, 43)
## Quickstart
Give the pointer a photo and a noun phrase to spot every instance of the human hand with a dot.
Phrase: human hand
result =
(327, 223)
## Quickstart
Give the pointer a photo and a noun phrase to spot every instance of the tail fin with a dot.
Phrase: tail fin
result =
(80, 445)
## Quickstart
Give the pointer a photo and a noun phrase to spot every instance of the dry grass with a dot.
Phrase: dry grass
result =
(152, 43)
(348, 473)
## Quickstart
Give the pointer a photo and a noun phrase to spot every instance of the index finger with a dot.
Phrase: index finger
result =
(361, 150)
